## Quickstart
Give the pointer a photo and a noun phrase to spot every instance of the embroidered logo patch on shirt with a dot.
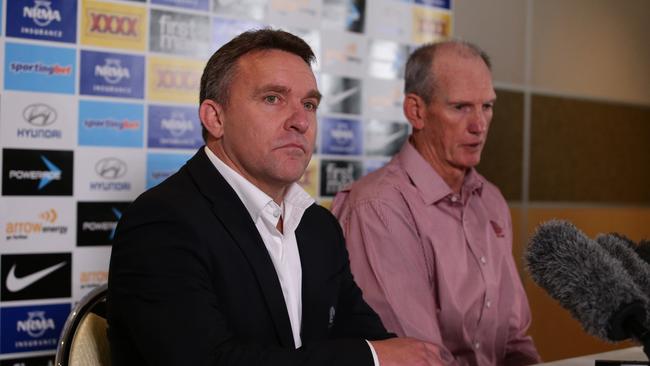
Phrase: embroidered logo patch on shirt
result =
(498, 230)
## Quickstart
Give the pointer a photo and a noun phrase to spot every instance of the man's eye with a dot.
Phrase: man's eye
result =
(310, 106)
(271, 99)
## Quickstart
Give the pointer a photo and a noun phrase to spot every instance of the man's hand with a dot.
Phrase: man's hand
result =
(406, 352)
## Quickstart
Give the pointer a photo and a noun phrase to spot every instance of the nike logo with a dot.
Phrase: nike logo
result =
(341, 96)
(15, 284)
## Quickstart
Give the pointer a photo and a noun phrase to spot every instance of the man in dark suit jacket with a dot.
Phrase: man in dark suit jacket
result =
(198, 276)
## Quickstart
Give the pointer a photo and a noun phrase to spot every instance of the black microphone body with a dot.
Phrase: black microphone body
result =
(643, 250)
(622, 249)
(588, 282)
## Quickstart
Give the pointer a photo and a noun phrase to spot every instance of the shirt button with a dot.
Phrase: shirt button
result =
(477, 345)
(483, 260)
(488, 304)
(276, 212)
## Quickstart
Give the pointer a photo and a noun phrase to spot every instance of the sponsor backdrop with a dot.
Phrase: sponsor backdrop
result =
(99, 102)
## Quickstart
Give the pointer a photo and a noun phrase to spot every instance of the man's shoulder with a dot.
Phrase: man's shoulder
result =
(388, 185)
(173, 196)
(388, 180)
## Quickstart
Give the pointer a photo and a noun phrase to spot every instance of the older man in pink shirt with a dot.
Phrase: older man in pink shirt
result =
(430, 239)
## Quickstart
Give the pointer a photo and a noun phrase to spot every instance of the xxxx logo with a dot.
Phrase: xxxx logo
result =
(49, 216)
(113, 24)
(176, 79)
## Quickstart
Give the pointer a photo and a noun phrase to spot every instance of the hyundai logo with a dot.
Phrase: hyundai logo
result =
(110, 168)
(39, 114)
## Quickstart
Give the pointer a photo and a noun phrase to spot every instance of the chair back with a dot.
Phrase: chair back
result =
(84, 340)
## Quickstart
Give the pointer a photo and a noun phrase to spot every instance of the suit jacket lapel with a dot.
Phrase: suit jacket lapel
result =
(228, 208)
(312, 276)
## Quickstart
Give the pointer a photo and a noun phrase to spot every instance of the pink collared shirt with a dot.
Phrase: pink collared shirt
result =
(436, 265)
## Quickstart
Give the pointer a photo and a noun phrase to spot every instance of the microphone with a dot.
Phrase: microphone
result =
(622, 249)
(585, 280)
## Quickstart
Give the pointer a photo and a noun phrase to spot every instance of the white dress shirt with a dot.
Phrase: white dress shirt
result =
(281, 246)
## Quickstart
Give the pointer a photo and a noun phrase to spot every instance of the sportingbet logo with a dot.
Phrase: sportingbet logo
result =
(40, 68)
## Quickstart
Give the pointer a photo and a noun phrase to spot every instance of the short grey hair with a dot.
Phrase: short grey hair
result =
(419, 78)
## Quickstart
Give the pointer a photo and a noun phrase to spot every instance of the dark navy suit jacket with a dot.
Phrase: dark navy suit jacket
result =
(191, 283)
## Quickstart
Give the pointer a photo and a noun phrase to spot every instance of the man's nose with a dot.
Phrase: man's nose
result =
(479, 122)
(299, 118)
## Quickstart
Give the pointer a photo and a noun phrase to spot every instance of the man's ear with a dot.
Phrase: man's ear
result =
(414, 109)
(212, 117)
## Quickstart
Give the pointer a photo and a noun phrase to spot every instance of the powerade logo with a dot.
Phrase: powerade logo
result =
(174, 127)
(341, 136)
(40, 116)
(41, 69)
(52, 20)
(110, 170)
(97, 221)
(112, 74)
(37, 172)
(161, 166)
(32, 328)
(110, 124)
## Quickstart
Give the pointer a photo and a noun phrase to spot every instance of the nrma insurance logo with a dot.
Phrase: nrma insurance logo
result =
(38, 68)
(112, 74)
(37, 172)
(341, 136)
(110, 124)
(51, 20)
(174, 127)
(32, 328)
(40, 119)
(161, 166)
(97, 221)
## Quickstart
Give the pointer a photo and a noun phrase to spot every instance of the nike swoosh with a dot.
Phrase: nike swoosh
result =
(15, 284)
(341, 96)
